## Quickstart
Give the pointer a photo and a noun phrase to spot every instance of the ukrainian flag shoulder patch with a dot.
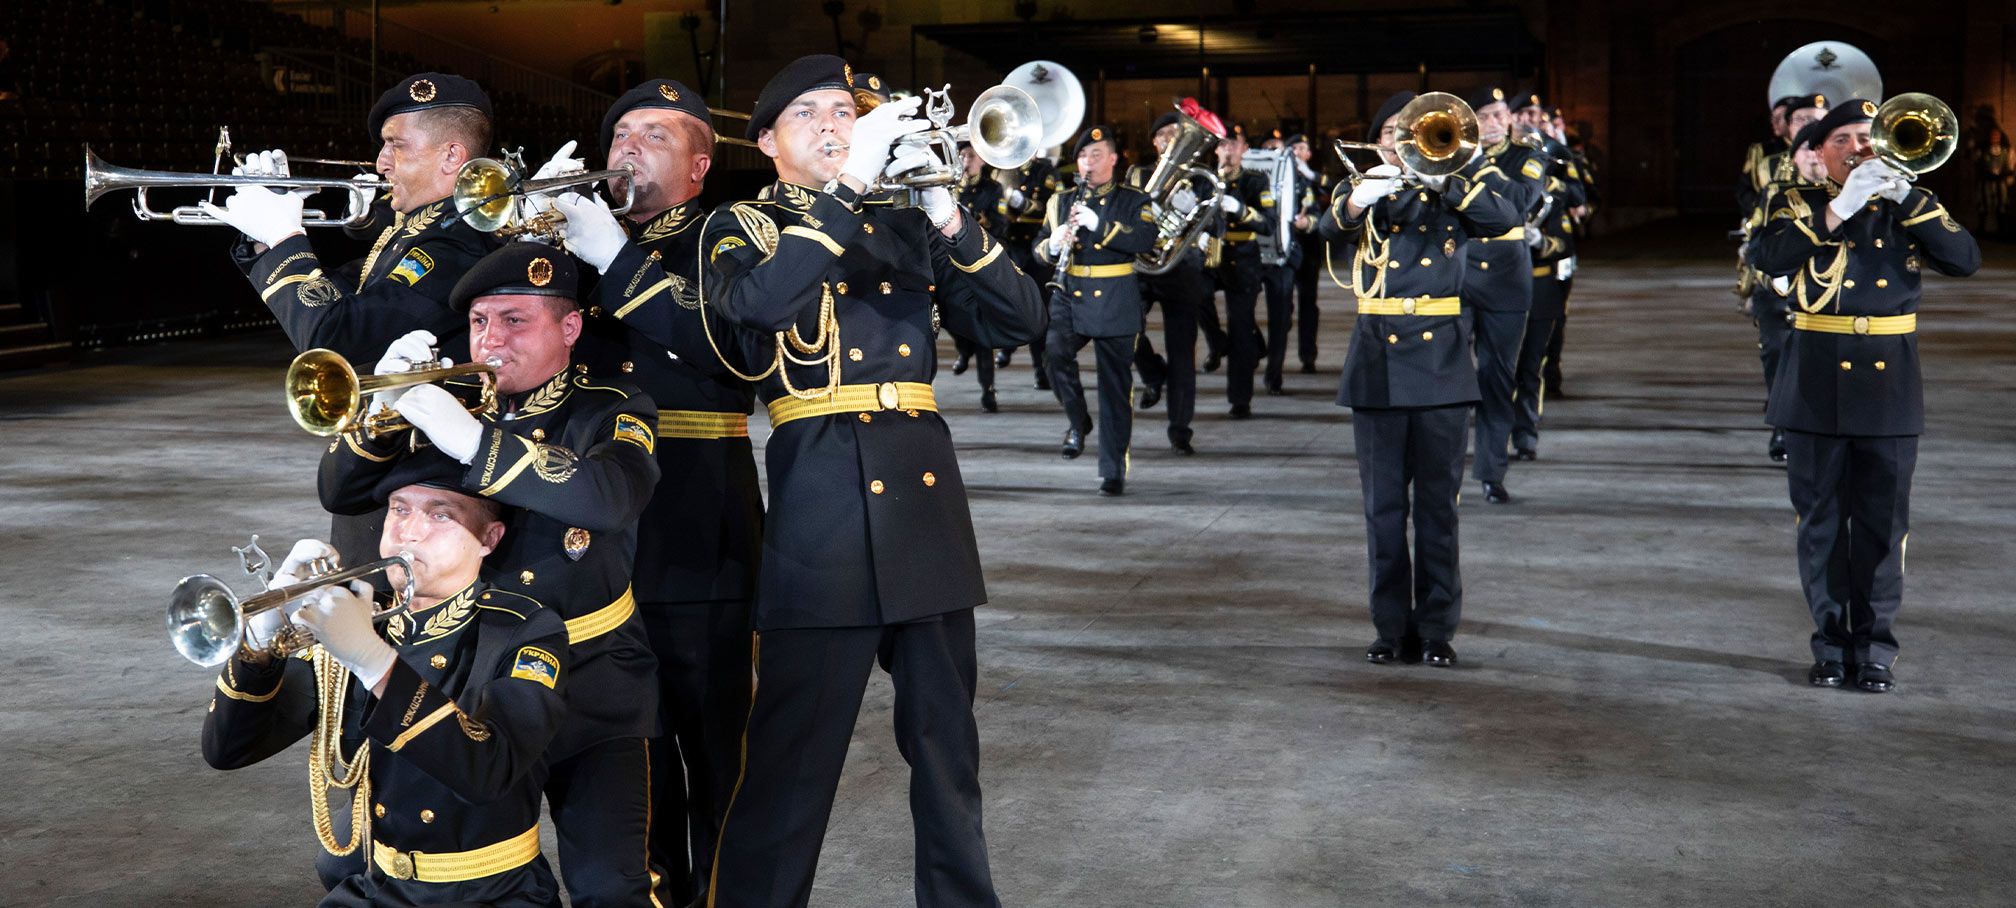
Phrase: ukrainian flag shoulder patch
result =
(535, 664)
(633, 430)
(413, 267)
(1533, 168)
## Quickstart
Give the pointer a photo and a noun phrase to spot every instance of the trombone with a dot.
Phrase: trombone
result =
(1914, 133)
(326, 395)
(206, 621)
(1436, 136)
(101, 178)
(487, 191)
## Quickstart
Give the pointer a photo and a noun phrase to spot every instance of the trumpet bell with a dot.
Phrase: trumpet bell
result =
(1005, 126)
(204, 620)
(1914, 132)
(483, 194)
(323, 392)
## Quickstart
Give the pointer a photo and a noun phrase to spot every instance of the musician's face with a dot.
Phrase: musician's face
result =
(418, 167)
(1843, 147)
(670, 152)
(532, 335)
(1798, 119)
(970, 162)
(1389, 137)
(448, 533)
(1301, 151)
(797, 141)
(1163, 137)
(1807, 162)
(1096, 162)
(1494, 120)
(1778, 123)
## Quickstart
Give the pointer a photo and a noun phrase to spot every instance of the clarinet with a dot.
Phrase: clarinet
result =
(1064, 261)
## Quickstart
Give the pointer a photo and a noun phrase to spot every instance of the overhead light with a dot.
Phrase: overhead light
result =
(1147, 34)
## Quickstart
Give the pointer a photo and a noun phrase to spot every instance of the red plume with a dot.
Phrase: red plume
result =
(1204, 118)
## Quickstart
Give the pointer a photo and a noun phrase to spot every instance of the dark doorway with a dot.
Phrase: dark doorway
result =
(1722, 78)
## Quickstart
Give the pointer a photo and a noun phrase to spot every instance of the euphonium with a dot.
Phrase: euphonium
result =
(326, 395)
(1175, 169)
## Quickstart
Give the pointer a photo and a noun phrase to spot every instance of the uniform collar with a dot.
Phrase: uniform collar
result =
(1102, 190)
(670, 222)
(793, 196)
(411, 223)
(411, 630)
(540, 399)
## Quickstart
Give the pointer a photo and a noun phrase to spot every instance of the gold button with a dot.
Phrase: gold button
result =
(213, 704)
(378, 811)
(1846, 365)
(1880, 365)
(438, 661)
(1396, 228)
(525, 578)
(1427, 335)
(1392, 338)
(867, 228)
(866, 418)
(1424, 228)
(402, 865)
(1882, 282)
(840, 288)
(1483, 266)
(594, 311)
(486, 597)
(1423, 197)
(426, 816)
(931, 288)
(854, 353)
(1848, 284)
(1879, 242)
(875, 487)
(930, 479)
(902, 349)
(1851, 244)
(912, 413)
(1098, 293)
(1872, 206)
(628, 367)
(538, 434)
(581, 368)
(1393, 265)
(887, 288)
(1077, 293)
(1425, 261)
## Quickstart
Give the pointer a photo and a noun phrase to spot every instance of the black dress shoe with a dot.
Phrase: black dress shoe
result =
(1494, 492)
(1777, 447)
(1525, 454)
(987, 401)
(1112, 487)
(1001, 359)
(1212, 360)
(964, 363)
(1150, 396)
(1874, 677)
(1241, 411)
(1827, 674)
(1308, 368)
(1074, 443)
(1382, 653)
(1183, 447)
(1042, 381)
(1438, 654)
(1273, 389)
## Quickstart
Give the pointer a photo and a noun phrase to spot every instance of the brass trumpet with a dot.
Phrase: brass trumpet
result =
(1436, 136)
(101, 178)
(326, 395)
(487, 191)
(1915, 133)
(206, 621)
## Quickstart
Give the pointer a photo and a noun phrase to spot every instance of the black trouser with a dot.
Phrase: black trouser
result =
(983, 359)
(1853, 498)
(809, 684)
(1767, 310)
(1497, 336)
(703, 706)
(1182, 291)
(1529, 387)
(1410, 464)
(1021, 248)
(1114, 356)
(1279, 282)
(1239, 278)
(1216, 343)
(1553, 368)
(1308, 277)
(600, 799)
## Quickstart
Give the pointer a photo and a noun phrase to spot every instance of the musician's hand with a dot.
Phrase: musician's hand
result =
(908, 158)
(295, 568)
(1230, 204)
(444, 420)
(939, 207)
(1060, 238)
(1302, 223)
(1864, 183)
(875, 133)
(370, 183)
(1013, 197)
(264, 164)
(1434, 181)
(264, 216)
(1896, 186)
(562, 163)
(340, 618)
(1370, 190)
(1183, 199)
(590, 231)
(1084, 218)
(414, 348)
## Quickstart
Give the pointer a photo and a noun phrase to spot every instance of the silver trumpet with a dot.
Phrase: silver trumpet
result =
(101, 178)
(206, 621)
(1003, 128)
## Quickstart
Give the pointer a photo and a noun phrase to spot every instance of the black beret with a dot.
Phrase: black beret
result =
(533, 269)
(663, 94)
(1486, 96)
(425, 467)
(1801, 102)
(1854, 110)
(810, 73)
(1294, 140)
(1168, 119)
(872, 84)
(426, 91)
(1785, 101)
(1096, 134)
(1805, 134)
(1392, 106)
(1529, 99)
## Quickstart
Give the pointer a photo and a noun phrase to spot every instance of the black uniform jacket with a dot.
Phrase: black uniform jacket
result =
(358, 310)
(1855, 383)
(459, 737)
(1242, 231)
(573, 460)
(1497, 269)
(986, 203)
(1407, 250)
(868, 519)
(1108, 305)
(702, 533)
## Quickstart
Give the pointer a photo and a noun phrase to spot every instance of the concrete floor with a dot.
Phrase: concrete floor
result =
(1174, 706)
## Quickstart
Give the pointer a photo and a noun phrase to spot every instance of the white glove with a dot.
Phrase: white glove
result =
(938, 206)
(1230, 204)
(435, 412)
(371, 183)
(590, 232)
(1384, 170)
(1565, 269)
(1864, 182)
(875, 133)
(1184, 199)
(294, 569)
(563, 162)
(261, 214)
(1782, 284)
(1014, 197)
(1534, 235)
(1084, 218)
(1060, 238)
(261, 628)
(1435, 182)
(907, 158)
(1370, 190)
(263, 164)
(341, 620)
(412, 349)
(1896, 186)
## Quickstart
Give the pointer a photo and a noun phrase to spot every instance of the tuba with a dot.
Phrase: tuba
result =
(1914, 132)
(1176, 168)
(326, 395)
